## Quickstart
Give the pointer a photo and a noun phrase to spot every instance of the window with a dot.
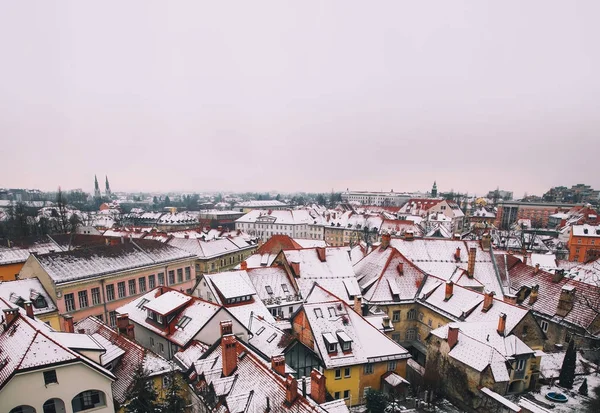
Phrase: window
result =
(183, 321)
(347, 372)
(395, 316)
(50, 377)
(332, 348)
(410, 335)
(166, 381)
(544, 325)
(171, 277)
(346, 346)
(161, 347)
(412, 314)
(188, 273)
(429, 322)
(95, 296)
(520, 365)
(132, 287)
(284, 287)
(69, 302)
(338, 374)
(161, 278)
(112, 317)
(121, 289)
(83, 299)
(366, 391)
(260, 330)
(336, 395)
(87, 400)
(269, 289)
(142, 282)
(396, 337)
(391, 365)
(291, 310)
(420, 316)
(368, 368)
(318, 313)
(152, 342)
(151, 281)
(346, 394)
(331, 311)
(179, 275)
(110, 292)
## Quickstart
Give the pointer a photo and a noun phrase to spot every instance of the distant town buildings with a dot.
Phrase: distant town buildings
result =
(376, 198)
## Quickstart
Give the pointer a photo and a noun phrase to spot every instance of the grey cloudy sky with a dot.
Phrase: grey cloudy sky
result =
(304, 95)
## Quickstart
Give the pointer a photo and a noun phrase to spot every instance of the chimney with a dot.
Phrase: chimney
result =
(278, 364)
(401, 268)
(123, 326)
(295, 268)
(69, 328)
(228, 353)
(304, 386)
(488, 301)
(244, 265)
(10, 315)
(385, 240)
(457, 254)
(452, 336)
(537, 268)
(472, 256)
(565, 302)
(358, 304)
(510, 299)
(525, 257)
(501, 324)
(534, 294)
(558, 275)
(28, 309)
(409, 235)
(291, 390)
(317, 386)
(321, 254)
(449, 290)
(226, 327)
(486, 242)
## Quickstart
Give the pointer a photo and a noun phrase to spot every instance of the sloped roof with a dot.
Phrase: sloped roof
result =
(131, 353)
(27, 290)
(328, 316)
(275, 278)
(210, 249)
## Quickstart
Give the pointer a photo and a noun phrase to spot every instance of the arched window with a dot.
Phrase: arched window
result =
(89, 399)
(54, 406)
(23, 409)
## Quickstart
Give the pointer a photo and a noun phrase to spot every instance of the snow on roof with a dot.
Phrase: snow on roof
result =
(335, 406)
(198, 311)
(76, 341)
(310, 243)
(268, 338)
(505, 402)
(546, 261)
(282, 216)
(394, 379)
(586, 231)
(531, 406)
(244, 311)
(186, 357)
(231, 284)
(260, 260)
(273, 284)
(27, 344)
(209, 249)
(167, 302)
(20, 250)
(129, 353)
(29, 289)
(107, 259)
(332, 316)
(260, 204)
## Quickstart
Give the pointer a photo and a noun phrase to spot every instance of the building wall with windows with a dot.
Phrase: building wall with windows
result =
(30, 389)
(584, 243)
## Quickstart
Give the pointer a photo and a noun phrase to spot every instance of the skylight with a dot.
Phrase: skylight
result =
(260, 330)
(318, 313)
(272, 337)
(269, 289)
(183, 321)
(284, 287)
(142, 302)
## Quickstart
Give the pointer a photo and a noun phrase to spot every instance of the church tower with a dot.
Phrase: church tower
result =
(434, 190)
(97, 194)
(108, 193)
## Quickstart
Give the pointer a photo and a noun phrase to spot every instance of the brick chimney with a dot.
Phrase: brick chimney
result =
(278, 364)
(291, 390)
(525, 257)
(472, 256)
(537, 268)
(488, 301)
(501, 324)
(457, 254)
(486, 242)
(558, 275)
(385, 240)
(321, 254)
(244, 265)
(226, 327)
(28, 309)
(534, 294)
(452, 336)
(10, 315)
(229, 354)
(449, 290)
(295, 268)
(565, 302)
(69, 328)
(317, 386)
(401, 268)
(124, 327)
(409, 235)
(358, 304)
(510, 299)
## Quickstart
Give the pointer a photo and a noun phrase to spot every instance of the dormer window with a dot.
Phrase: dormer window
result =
(159, 318)
(345, 340)
(318, 313)
(284, 287)
(330, 342)
(269, 289)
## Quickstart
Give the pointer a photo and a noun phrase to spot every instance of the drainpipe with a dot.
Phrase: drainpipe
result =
(104, 302)
(167, 275)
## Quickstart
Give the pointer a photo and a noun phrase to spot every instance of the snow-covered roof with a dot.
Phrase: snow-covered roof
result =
(29, 289)
(168, 302)
(210, 249)
(260, 204)
(97, 261)
(273, 284)
(329, 316)
(586, 231)
(268, 338)
(231, 284)
(19, 250)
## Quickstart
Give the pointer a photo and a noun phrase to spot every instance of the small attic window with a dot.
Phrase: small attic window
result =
(331, 342)
(318, 313)
(183, 321)
(142, 303)
(271, 337)
(585, 230)
(269, 289)
(260, 330)
(331, 311)
(284, 287)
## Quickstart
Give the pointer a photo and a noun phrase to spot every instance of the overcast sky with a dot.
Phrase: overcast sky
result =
(303, 95)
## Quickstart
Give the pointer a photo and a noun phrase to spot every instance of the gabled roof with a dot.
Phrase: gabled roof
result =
(107, 259)
(29, 289)
(479, 345)
(267, 338)
(231, 284)
(277, 243)
(329, 316)
(130, 353)
(27, 344)
(273, 283)
(210, 249)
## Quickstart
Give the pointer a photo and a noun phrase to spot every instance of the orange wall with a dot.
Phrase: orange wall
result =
(8, 272)
(579, 246)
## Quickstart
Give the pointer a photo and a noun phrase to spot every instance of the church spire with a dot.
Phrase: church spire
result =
(108, 193)
(96, 188)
